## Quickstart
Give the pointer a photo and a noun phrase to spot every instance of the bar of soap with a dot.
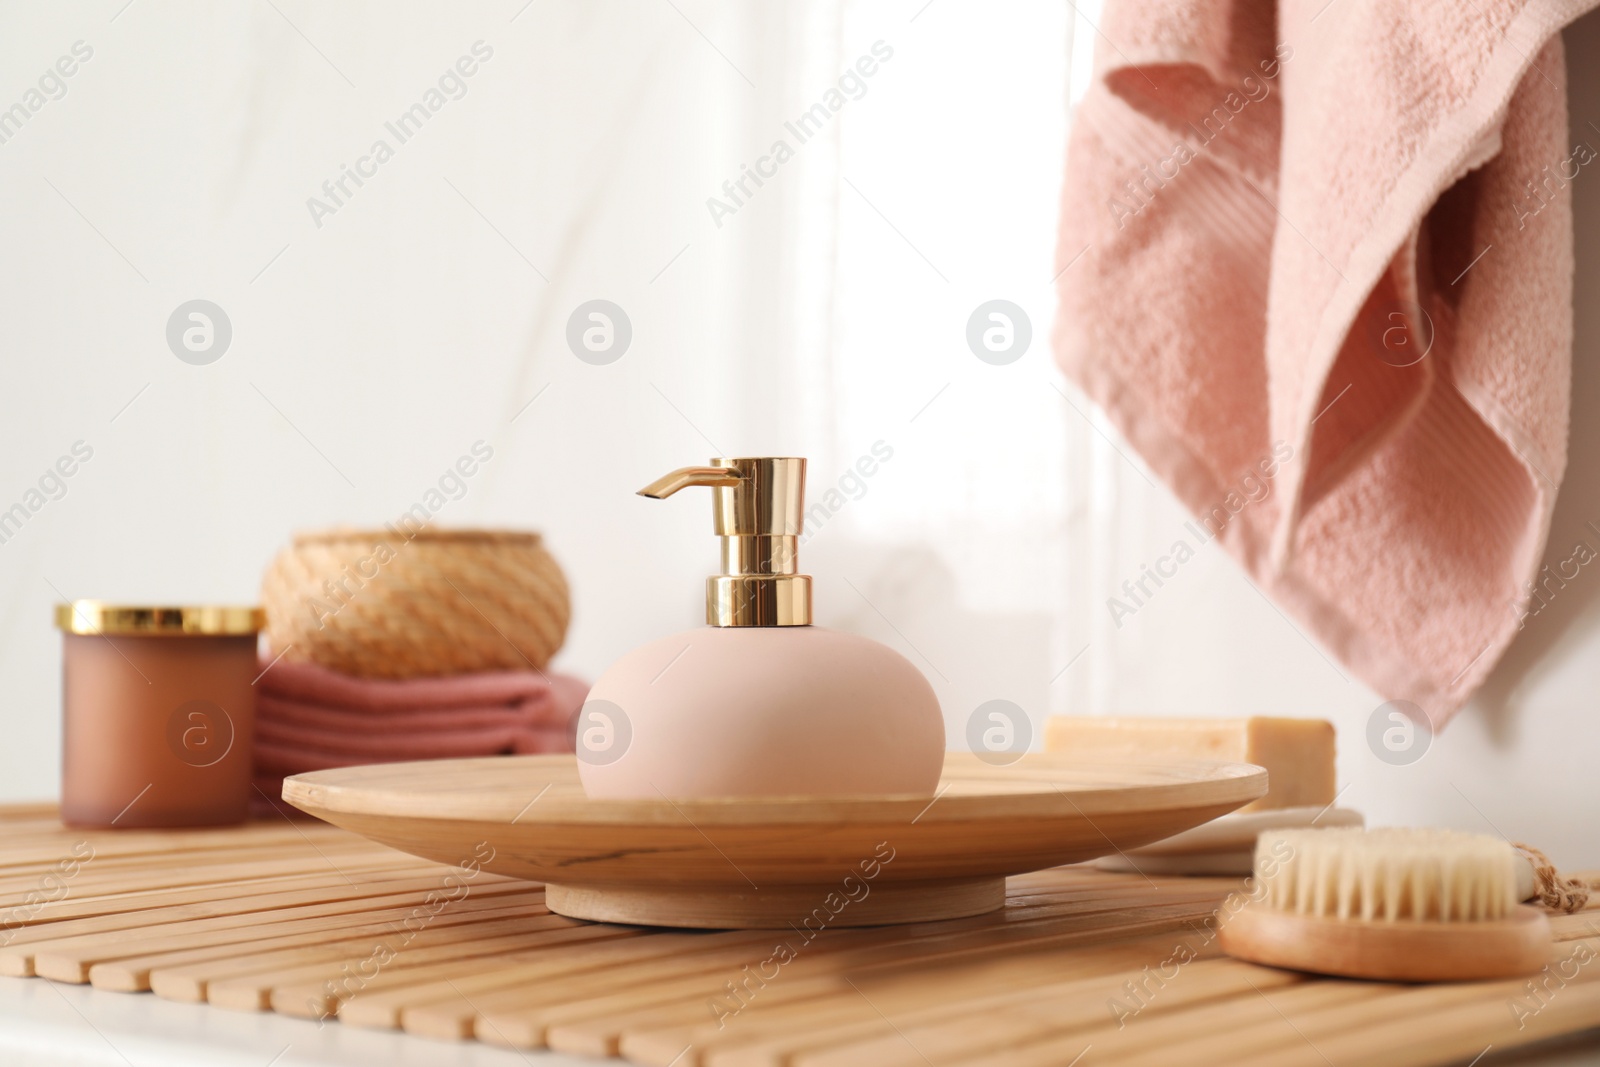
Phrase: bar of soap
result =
(1297, 753)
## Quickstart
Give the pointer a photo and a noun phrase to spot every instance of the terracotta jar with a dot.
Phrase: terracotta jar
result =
(158, 715)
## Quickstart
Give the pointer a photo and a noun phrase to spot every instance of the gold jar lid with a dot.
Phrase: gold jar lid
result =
(96, 617)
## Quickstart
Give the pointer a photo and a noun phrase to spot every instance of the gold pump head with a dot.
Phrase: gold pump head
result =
(757, 508)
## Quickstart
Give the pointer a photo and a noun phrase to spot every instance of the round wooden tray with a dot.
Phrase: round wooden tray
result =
(773, 861)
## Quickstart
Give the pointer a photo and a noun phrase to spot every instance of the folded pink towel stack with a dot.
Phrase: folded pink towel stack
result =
(1317, 267)
(310, 718)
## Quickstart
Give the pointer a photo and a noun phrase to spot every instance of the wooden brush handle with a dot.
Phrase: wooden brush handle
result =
(1399, 951)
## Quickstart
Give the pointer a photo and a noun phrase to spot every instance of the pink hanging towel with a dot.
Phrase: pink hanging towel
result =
(1317, 268)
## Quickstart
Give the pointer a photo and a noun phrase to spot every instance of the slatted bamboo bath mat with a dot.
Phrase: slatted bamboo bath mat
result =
(1081, 966)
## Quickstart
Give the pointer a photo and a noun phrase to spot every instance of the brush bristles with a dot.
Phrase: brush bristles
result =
(1389, 875)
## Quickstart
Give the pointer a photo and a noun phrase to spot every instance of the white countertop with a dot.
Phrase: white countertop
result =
(48, 1024)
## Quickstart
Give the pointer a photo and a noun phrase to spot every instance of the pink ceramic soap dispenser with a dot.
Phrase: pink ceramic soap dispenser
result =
(759, 702)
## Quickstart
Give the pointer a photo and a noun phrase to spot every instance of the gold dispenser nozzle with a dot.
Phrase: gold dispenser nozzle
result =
(757, 508)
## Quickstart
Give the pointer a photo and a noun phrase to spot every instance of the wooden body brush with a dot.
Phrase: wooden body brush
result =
(1392, 904)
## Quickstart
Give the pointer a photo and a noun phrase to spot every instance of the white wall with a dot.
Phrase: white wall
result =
(370, 352)
(375, 349)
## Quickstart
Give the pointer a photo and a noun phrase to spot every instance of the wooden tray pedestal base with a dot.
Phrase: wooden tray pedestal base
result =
(788, 907)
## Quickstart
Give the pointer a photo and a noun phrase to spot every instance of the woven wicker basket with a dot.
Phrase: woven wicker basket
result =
(385, 604)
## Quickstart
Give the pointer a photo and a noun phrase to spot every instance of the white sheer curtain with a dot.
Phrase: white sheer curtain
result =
(936, 192)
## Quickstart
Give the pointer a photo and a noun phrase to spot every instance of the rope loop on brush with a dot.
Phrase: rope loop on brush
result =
(1555, 890)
